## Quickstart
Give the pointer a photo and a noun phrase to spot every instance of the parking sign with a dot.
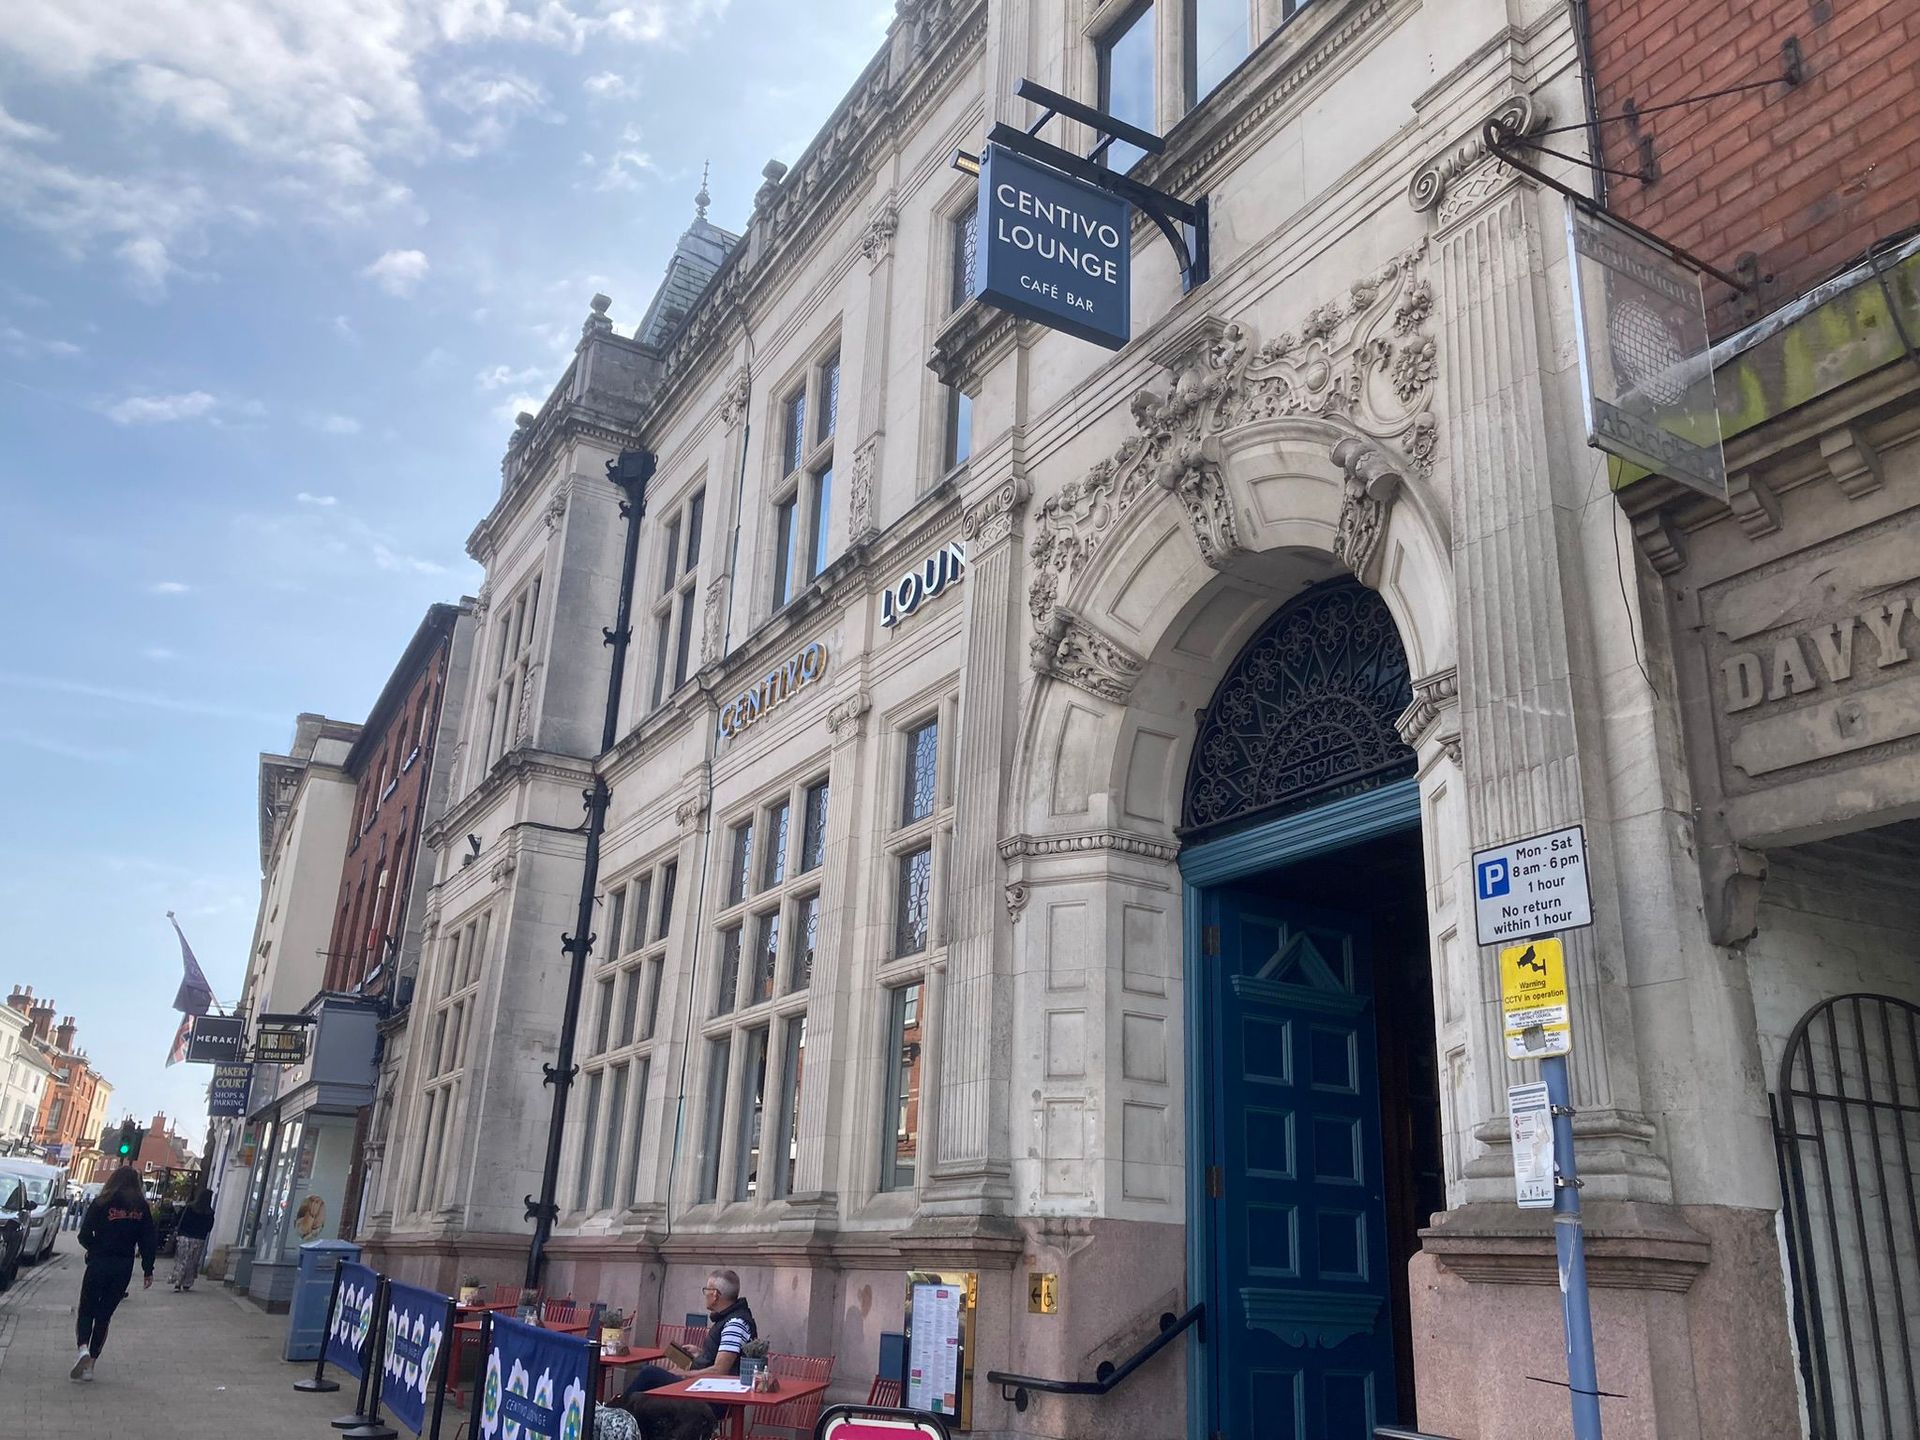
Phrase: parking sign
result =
(1531, 887)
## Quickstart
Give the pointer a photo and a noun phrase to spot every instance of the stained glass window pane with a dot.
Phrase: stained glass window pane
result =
(696, 512)
(829, 397)
(783, 576)
(603, 999)
(629, 1006)
(729, 990)
(589, 1134)
(740, 875)
(746, 1174)
(786, 1152)
(813, 834)
(959, 442)
(766, 957)
(795, 434)
(718, 1053)
(923, 753)
(616, 921)
(901, 1148)
(670, 571)
(616, 1120)
(806, 931)
(774, 859)
(910, 905)
(669, 877)
(683, 647)
(966, 244)
(822, 510)
(654, 967)
(640, 1131)
(642, 892)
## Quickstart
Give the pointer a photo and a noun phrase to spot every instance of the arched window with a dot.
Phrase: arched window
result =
(1306, 712)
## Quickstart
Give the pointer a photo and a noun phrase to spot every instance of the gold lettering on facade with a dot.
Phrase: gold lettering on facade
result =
(775, 687)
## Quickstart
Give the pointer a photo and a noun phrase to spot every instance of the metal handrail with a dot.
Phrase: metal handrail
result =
(1107, 1374)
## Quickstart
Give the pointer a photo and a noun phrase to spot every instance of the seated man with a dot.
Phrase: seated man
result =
(729, 1329)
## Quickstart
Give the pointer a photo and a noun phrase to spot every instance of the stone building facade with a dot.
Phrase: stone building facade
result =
(1045, 780)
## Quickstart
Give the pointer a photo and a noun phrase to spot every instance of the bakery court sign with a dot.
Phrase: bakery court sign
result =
(1053, 249)
(773, 689)
(923, 582)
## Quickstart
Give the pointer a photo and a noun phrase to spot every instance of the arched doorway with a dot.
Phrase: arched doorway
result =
(1314, 1146)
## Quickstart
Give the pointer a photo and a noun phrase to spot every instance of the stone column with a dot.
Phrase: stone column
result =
(972, 1160)
(1532, 718)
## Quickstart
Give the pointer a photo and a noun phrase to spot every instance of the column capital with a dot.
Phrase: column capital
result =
(1466, 174)
(993, 519)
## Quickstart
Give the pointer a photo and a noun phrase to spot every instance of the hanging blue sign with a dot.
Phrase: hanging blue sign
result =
(1053, 249)
(416, 1336)
(352, 1323)
(227, 1094)
(537, 1385)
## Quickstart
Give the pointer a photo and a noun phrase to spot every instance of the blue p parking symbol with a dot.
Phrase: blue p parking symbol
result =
(1492, 878)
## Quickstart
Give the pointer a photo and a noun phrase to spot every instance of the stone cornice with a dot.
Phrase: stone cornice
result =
(1123, 842)
(972, 342)
(560, 425)
(515, 767)
(1631, 1245)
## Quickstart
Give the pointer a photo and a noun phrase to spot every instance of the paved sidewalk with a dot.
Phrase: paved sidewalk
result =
(177, 1367)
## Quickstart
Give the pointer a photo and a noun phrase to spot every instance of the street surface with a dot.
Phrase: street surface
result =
(197, 1365)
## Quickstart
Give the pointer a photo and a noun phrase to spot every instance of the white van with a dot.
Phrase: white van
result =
(46, 1187)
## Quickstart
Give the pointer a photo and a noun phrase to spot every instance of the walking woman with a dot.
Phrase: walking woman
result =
(119, 1226)
(190, 1240)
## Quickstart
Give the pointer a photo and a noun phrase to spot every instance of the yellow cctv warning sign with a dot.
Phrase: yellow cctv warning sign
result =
(1533, 1000)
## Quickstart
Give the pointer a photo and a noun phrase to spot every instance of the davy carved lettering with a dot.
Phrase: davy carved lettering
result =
(1365, 359)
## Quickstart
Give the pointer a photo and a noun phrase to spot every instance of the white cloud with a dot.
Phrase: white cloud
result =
(337, 425)
(14, 128)
(324, 501)
(497, 100)
(499, 377)
(147, 699)
(343, 327)
(389, 559)
(66, 749)
(623, 168)
(607, 84)
(161, 409)
(511, 409)
(168, 587)
(23, 346)
(398, 271)
(159, 654)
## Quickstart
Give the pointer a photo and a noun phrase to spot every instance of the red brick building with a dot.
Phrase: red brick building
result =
(391, 761)
(75, 1099)
(1804, 178)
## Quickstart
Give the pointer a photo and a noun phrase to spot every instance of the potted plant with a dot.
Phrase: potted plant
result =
(613, 1332)
(753, 1359)
(469, 1290)
(529, 1307)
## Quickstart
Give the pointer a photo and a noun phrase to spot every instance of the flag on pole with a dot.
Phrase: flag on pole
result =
(178, 1051)
(195, 996)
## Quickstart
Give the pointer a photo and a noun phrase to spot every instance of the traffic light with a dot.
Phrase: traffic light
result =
(130, 1138)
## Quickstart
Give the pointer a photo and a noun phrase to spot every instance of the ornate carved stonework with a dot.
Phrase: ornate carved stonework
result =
(1019, 847)
(1372, 482)
(1069, 649)
(991, 520)
(557, 506)
(713, 621)
(844, 718)
(1439, 185)
(1365, 359)
(1432, 695)
(1017, 897)
(693, 799)
(876, 241)
(733, 408)
(860, 488)
(483, 600)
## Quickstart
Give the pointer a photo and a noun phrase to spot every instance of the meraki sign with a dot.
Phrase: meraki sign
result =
(1053, 249)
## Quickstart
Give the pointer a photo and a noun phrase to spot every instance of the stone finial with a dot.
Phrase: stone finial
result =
(772, 173)
(597, 321)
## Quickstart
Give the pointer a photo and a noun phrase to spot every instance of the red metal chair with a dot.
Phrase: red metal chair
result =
(693, 1337)
(559, 1314)
(500, 1299)
(885, 1392)
(796, 1418)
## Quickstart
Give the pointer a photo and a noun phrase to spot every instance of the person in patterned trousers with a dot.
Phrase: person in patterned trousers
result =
(190, 1241)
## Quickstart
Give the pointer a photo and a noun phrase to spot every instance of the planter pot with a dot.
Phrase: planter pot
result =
(469, 1295)
(613, 1338)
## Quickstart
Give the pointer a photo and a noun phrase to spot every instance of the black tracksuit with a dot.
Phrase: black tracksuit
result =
(112, 1234)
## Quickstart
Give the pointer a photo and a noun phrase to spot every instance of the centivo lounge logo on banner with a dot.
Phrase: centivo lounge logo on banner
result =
(352, 1318)
(1054, 250)
(524, 1369)
(414, 1334)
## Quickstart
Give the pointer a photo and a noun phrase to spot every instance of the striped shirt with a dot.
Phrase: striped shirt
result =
(734, 1336)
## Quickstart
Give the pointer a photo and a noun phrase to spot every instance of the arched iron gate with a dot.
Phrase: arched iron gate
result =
(1847, 1124)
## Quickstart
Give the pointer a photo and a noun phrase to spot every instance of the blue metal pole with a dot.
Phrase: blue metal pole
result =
(1570, 1245)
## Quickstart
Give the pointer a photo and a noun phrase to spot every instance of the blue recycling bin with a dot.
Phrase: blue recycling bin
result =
(312, 1289)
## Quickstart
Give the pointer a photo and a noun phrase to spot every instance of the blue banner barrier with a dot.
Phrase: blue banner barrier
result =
(537, 1385)
(352, 1319)
(418, 1332)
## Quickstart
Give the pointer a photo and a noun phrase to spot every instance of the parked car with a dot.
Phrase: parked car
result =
(13, 1230)
(46, 1190)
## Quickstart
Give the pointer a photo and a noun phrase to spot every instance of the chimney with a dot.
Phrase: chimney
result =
(63, 1036)
(42, 1016)
(20, 999)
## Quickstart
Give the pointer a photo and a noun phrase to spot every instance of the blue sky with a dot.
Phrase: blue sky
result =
(274, 277)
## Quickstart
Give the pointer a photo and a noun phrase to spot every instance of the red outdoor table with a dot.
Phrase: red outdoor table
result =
(740, 1404)
(613, 1360)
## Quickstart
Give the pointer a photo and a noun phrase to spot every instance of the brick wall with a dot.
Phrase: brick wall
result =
(1807, 178)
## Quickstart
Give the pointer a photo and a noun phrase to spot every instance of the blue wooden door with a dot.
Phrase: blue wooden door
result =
(1300, 1326)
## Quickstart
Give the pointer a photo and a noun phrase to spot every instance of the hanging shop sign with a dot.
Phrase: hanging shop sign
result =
(1646, 365)
(923, 582)
(1531, 887)
(217, 1040)
(281, 1041)
(1053, 249)
(773, 689)
(227, 1095)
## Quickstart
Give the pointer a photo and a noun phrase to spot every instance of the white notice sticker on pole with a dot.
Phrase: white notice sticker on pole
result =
(1531, 887)
(1530, 1115)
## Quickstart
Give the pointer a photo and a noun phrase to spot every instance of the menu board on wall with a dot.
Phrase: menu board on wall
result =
(940, 1309)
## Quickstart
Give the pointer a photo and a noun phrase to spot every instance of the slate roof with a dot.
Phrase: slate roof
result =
(695, 260)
